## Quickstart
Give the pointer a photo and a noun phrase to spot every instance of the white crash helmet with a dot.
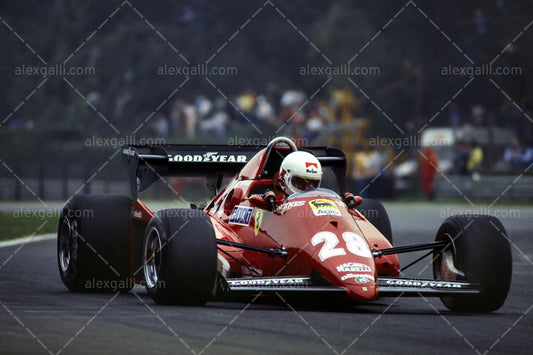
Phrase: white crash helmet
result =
(299, 171)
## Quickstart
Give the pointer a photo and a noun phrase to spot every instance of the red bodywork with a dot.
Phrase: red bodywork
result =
(320, 233)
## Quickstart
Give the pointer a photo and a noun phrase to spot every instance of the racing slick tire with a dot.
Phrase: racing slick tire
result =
(180, 257)
(93, 243)
(481, 254)
(375, 212)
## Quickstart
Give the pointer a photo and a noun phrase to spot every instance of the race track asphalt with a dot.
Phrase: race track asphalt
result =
(38, 314)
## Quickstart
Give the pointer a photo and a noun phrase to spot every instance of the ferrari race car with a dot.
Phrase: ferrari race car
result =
(314, 243)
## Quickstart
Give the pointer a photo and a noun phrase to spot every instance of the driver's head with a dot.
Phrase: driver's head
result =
(299, 171)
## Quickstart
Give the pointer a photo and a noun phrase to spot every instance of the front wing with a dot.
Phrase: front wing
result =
(387, 286)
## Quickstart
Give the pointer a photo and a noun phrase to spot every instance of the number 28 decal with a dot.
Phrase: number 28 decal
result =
(355, 244)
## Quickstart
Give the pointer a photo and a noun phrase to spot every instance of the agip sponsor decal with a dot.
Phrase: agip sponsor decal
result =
(324, 207)
(241, 215)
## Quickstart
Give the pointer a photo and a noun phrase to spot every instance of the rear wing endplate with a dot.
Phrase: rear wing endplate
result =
(147, 164)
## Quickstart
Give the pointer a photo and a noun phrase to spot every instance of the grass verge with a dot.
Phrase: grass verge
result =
(14, 226)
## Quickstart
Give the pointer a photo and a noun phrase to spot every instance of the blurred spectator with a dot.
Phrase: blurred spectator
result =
(93, 98)
(361, 173)
(264, 110)
(527, 158)
(291, 117)
(368, 175)
(177, 118)
(191, 118)
(513, 154)
(475, 160)
(246, 102)
(293, 98)
(460, 158)
(501, 7)
(122, 99)
(203, 106)
(129, 75)
(478, 114)
(480, 20)
(216, 125)
(314, 126)
(161, 126)
(273, 93)
(429, 168)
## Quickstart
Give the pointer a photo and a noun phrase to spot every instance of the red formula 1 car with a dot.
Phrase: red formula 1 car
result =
(246, 242)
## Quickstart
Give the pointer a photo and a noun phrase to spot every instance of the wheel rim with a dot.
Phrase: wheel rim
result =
(445, 264)
(66, 242)
(152, 257)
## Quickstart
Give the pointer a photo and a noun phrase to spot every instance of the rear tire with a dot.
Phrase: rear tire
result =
(483, 255)
(93, 244)
(375, 212)
(180, 257)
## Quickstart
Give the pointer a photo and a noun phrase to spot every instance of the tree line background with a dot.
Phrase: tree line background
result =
(268, 51)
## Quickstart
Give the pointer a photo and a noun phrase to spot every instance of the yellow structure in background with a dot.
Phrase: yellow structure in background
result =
(348, 131)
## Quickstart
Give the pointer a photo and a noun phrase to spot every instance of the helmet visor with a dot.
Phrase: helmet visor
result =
(303, 184)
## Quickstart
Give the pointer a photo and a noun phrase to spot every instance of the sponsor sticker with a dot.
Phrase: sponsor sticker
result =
(288, 205)
(311, 168)
(241, 215)
(293, 281)
(424, 283)
(257, 221)
(209, 157)
(324, 207)
(357, 276)
(353, 267)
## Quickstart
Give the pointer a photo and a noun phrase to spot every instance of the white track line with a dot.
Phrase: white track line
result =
(26, 240)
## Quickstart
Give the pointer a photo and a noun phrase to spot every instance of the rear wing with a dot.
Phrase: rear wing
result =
(148, 163)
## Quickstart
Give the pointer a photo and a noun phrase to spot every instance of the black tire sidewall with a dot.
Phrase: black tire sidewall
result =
(188, 266)
(71, 277)
(375, 213)
(101, 259)
(483, 253)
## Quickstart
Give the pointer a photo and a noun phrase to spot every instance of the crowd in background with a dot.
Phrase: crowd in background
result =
(276, 112)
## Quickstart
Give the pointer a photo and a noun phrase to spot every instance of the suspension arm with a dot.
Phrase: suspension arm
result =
(279, 252)
(410, 248)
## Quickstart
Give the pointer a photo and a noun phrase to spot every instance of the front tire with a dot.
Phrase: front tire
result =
(180, 257)
(480, 253)
(93, 243)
